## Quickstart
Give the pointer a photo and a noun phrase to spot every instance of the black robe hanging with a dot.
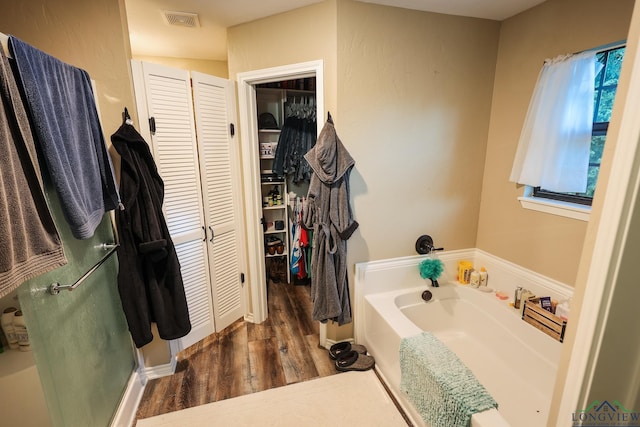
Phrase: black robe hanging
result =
(149, 280)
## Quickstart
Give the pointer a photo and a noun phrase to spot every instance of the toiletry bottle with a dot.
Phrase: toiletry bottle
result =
(484, 277)
(474, 278)
(517, 298)
(526, 295)
(464, 272)
(21, 331)
(8, 328)
(562, 310)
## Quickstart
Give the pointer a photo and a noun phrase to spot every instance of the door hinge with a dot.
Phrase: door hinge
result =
(232, 129)
(242, 278)
(152, 124)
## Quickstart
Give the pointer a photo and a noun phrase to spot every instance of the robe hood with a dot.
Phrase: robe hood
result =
(329, 159)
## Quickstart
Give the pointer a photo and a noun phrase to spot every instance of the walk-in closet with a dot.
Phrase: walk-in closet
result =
(287, 129)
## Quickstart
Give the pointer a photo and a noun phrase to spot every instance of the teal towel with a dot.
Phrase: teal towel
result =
(443, 390)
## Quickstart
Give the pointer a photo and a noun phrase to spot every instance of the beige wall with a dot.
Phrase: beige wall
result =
(414, 96)
(214, 68)
(545, 243)
(301, 35)
(91, 35)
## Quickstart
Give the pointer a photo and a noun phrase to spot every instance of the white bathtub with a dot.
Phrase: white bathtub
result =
(515, 362)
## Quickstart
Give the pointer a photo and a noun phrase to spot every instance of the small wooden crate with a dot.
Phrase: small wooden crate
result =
(544, 320)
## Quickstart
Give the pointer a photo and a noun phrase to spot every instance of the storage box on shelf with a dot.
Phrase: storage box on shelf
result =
(544, 320)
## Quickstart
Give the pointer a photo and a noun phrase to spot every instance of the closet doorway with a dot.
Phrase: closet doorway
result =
(248, 84)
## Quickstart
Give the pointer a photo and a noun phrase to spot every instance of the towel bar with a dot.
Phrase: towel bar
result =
(55, 288)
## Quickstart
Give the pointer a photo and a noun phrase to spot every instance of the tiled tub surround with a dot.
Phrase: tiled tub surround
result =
(515, 362)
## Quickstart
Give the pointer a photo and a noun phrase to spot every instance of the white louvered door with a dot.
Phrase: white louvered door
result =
(214, 110)
(169, 103)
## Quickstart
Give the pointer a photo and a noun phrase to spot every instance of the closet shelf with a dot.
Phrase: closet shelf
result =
(275, 207)
(276, 255)
(274, 231)
(269, 130)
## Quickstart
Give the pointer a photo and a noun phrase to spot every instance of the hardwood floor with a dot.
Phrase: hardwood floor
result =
(245, 358)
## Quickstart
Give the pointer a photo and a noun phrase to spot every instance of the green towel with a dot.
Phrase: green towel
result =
(443, 390)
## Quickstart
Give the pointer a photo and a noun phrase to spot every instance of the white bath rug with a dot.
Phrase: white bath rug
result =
(346, 399)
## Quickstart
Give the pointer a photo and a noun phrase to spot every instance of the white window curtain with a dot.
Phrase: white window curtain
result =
(553, 151)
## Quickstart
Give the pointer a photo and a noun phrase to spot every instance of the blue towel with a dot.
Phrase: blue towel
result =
(62, 109)
(443, 390)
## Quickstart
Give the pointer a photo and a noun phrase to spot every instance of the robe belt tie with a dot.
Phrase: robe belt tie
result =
(330, 236)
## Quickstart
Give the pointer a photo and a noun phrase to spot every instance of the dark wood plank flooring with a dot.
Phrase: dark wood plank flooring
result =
(245, 357)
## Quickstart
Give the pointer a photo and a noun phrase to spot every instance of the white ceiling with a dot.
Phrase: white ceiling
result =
(151, 35)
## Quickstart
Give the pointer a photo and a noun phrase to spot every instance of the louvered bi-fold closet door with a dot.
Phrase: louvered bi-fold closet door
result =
(215, 111)
(169, 103)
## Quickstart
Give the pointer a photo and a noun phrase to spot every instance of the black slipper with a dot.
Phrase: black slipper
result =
(339, 348)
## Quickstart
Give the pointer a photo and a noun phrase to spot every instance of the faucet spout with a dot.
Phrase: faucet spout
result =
(434, 283)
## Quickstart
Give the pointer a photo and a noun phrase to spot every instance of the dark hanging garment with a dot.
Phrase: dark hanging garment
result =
(149, 280)
(29, 242)
(297, 137)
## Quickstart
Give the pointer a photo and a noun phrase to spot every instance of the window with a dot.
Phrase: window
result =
(606, 83)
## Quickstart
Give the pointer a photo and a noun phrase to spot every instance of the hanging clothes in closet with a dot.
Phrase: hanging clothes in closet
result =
(60, 100)
(297, 137)
(149, 280)
(329, 213)
(29, 241)
(300, 242)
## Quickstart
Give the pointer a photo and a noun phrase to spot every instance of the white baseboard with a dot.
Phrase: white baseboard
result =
(161, 370)
(125, 415)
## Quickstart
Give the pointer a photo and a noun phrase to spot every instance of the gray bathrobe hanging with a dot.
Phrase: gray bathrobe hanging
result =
(329, 213)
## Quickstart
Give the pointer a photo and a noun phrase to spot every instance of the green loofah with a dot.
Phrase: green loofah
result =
(431, 268)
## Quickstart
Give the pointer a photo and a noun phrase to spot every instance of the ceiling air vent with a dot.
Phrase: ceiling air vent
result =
(182, 19)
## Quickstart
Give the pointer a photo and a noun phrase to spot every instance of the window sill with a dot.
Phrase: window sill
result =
(556, 207)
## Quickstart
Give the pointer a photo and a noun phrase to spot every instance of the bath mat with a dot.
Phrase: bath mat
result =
(442, 389)
(349, 399)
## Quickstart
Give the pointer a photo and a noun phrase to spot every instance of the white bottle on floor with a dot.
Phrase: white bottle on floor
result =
(21, 331)
(7, 327)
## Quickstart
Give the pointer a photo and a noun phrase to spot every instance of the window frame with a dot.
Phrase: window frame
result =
(599, 129)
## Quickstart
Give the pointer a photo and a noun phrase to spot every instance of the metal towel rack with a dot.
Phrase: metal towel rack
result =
(55, 287)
